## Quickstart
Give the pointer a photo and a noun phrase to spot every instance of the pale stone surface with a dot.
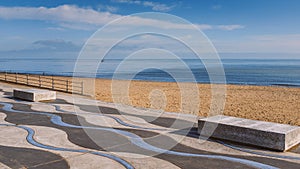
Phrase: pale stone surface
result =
(3, 166)
(58, 138)
(258, 133)
(2, 117)
(14, 137)
(34, 94)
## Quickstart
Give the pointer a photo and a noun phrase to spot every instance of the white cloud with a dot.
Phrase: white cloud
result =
(216, 7)
(73, 17)
(204, 26)
(158, 6)
(288, 43)
(287, 37)
(67, 13)
(230, 27)
(107, 8)
(55, 28)
(112, 8)
(57, 45)
(128, 1)
(154, 5)
(79, 26)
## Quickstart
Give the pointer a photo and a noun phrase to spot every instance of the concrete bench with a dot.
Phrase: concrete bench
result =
(258, 133)
(34, 94)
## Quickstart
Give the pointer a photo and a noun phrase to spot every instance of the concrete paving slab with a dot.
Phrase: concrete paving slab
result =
(3, 166)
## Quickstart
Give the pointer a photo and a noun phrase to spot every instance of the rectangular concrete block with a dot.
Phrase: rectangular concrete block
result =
(34, 94)
(253, 132)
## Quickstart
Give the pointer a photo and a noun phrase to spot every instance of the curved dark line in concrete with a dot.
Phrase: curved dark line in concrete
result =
(86, 142)
(179, 147)
(22, 157)
(258, 153)
(190, 133)
(159, 121)
(138, 141)
(118, 120)
(33, 142)
(44, 120)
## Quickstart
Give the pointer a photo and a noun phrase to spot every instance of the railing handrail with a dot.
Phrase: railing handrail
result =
(37, 75)
(38, 80)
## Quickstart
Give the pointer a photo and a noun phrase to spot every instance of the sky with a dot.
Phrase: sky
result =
(238, 29)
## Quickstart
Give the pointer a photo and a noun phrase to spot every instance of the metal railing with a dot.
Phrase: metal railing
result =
(43, 81)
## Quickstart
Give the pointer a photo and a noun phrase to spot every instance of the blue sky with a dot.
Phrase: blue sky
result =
(261, 27)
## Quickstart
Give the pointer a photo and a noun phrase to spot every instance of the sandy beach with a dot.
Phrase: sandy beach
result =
(267, 103)
(274, 104)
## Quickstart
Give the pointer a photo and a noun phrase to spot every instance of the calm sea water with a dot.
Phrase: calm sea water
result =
(249, 71)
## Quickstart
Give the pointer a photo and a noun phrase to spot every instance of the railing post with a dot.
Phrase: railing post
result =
(81, 87)
(5, 76)
(67, 85)
(40, 81)
(16, 77)
(27, 79)
(52, 83)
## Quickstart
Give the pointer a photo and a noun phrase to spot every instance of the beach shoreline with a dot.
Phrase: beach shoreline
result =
(278, 104)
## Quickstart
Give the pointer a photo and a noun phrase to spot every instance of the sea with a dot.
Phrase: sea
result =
(262, 72)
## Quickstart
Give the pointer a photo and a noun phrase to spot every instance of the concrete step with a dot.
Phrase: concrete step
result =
(34, 94)
(253, 132)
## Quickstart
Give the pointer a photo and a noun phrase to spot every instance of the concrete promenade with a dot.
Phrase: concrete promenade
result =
(88, 134)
